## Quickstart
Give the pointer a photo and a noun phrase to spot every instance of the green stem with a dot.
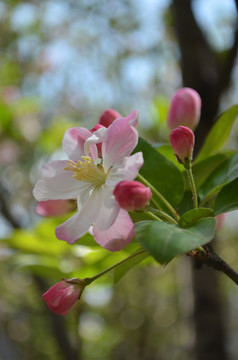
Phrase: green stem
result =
(160, 196)
(93, 278)
(164, 215)
(153, 216)
(192, 185)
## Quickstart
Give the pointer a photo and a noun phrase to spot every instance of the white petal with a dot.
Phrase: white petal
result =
(57, 183)
(109, 209)
(128, 170)
(73, 142)
(75, 227)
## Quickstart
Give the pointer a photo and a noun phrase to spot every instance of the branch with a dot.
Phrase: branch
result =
(212, 259)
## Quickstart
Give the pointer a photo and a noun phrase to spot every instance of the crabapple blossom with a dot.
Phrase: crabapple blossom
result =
(185, 109)
(132, 195)
(90, 178)
(182, 141)
(62, 296)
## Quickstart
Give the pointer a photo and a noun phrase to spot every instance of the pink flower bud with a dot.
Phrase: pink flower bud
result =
(61, 297)
(108, 116)
(185, 109)
(54, 207)
(182, 141)
(132, 195)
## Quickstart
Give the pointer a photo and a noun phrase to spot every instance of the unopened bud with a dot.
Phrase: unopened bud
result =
(132, 195)
(185, 109)
(61, 297)
(182, 141)
(108, 116)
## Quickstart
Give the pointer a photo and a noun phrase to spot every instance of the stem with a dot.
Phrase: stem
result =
(192, 185)
(160, 196)
(93, 278)
(164, 215)
(210, 258)
(153, 216)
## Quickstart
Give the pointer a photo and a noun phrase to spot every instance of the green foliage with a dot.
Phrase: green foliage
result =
(161, 173)
(164, 241)
(221, 176)
(192, 216)
(227, 199)
(219, 133)
(122, 269)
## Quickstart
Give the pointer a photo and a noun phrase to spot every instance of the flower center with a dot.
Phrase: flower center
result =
(87, 171)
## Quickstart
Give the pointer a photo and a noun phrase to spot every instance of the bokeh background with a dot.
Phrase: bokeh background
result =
(61, 64)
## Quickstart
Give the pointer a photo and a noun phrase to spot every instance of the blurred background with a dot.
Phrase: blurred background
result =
(61, 64)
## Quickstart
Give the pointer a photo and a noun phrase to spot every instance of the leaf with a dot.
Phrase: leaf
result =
(124, 267)
(219, 133)
(167, 151)
(203, 169)
(227, 199)
(161, 173)
(164, 241)
(221, 176)
(192, 216)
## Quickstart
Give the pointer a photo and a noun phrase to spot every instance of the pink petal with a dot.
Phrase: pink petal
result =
(54, 207)
(109, 209)
(122, 137)
(76, 226)
(57, 183)
(73, 142)
(128, 170)
(118, 235)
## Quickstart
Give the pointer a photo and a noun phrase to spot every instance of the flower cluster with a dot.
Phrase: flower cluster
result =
(98, 183)
(98, 160)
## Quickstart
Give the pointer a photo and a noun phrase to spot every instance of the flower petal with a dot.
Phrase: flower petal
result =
(118, 235)
(109, 209)
(54, 207)
(57, 183)
(73, 143)
(122, 137)
(76, 226)
(127, 170)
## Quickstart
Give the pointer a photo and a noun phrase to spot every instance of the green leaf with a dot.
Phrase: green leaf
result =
(161, 173)
(203, 169)
(164, 241)
(227, 199)
(167, 151)
(124, 267)
(221, 176)
(192, 216)
(219, 133)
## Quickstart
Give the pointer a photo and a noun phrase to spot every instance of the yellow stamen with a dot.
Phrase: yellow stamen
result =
(87, 171)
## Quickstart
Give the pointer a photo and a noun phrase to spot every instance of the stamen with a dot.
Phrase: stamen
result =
(87, 171)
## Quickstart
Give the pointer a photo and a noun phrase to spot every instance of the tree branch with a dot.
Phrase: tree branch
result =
(212, 259)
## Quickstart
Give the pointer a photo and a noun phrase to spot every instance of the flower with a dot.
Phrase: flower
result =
(91, 179)
(185, 109)
(54, 207)
(108, 116)
(62, 296)
(132, 195)
(182, 141)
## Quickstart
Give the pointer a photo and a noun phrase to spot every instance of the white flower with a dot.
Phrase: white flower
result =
(91, 180)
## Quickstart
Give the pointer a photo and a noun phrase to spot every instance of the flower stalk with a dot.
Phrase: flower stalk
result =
(160, 196)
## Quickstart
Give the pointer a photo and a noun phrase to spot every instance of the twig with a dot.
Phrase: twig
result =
(212, 259)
